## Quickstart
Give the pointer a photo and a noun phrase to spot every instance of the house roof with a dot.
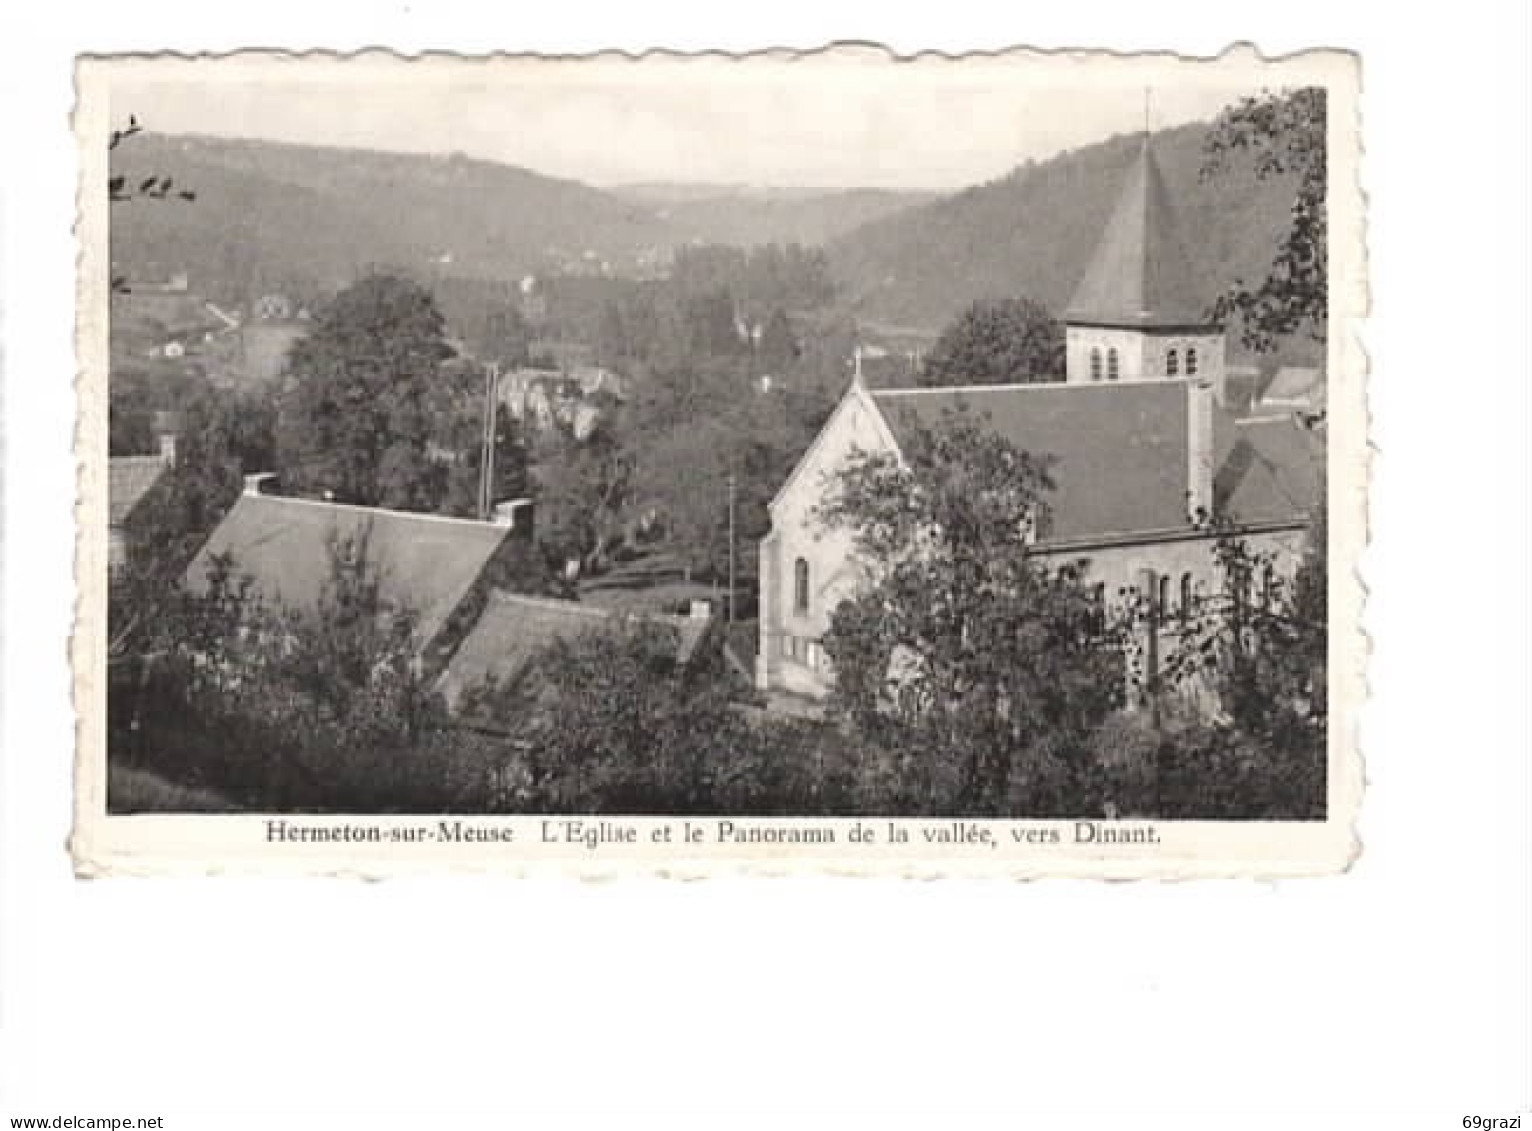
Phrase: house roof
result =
(1120, 449)
(1140, 275)
(1269, 468)
(129, 479)
(1296, 385)
(741, 645)
(514, 627)
(426, 563)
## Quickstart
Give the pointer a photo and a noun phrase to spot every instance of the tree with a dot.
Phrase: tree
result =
(710, 327)
(505, 336)
(778, 348)
(326, 709)
(355, 654)
(607, 722)
(982, 667)
(683, 474)
(685, 448)
(457, 443)
(1260, 648)
(221, 437)
(1010, 341)
(1283, 135)
(358, 425)
(584, 488)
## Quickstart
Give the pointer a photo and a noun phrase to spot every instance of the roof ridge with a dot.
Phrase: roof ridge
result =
(564, 604)
(510, 596)
(388, 512)
(1016, 386)
(123, 461)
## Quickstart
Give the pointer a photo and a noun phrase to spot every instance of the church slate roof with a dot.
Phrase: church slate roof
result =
(1120, 449)
(1120, 452)
(426, 563)
(514, 627)
(129, 479)
(1140, 276)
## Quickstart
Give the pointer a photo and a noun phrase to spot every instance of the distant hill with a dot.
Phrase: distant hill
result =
(1032, 232)
(267, 213)
(275, 216)
(745, 215)
(306, 220)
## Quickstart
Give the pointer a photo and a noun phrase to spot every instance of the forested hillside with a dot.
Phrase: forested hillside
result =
(745, 216)
(1031, 233)
(275, 216)
(306, 220)
(297, 218)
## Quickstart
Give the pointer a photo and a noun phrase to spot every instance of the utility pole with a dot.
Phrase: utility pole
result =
(731, 547)
(487, 441)
(494, 431)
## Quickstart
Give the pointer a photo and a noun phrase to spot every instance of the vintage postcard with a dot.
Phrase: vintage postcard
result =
(687, 465)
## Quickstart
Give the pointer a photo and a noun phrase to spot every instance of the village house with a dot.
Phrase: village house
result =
(131, 481)
(1141, 440)
(573, 399)
(514, 627)
(440, 569)
(1294, 389)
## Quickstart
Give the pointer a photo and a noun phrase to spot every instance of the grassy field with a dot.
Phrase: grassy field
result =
(130, 790)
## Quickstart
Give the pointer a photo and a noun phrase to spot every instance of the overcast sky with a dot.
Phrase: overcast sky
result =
(930, 124)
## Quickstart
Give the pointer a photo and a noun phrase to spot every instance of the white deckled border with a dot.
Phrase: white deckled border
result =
(157, 844)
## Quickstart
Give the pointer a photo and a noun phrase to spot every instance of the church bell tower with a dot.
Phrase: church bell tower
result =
(1137, 314)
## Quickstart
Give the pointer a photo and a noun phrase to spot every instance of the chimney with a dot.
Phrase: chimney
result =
(515, 514)
(166, 425)
(1199, 449)
(257, 483)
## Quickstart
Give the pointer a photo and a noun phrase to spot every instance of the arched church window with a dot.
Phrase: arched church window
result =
(1111, 364)
(1172, 363)
(1095, 364)
(1162, 598)
(801, 586)
(1191, 361)
(1186, 597)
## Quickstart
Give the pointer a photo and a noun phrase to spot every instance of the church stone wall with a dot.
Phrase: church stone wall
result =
(791, 656)
(1123, 568)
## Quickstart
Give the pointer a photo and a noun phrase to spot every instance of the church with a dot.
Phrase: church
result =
(1140, 429)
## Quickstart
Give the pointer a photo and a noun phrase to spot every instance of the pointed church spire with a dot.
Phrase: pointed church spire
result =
(1140, 276)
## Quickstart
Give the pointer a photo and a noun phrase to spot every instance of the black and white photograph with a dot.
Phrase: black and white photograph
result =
(844, 564)
(736, 440)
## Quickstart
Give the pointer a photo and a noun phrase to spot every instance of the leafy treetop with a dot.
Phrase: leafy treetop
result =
(1283, 135)
(1005, 342)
